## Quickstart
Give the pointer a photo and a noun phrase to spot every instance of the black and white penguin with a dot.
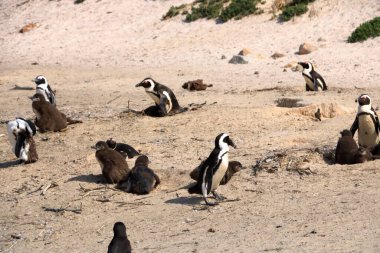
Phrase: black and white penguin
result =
(213, 169)
(126, 150)
(314, 81)
(141, 179)
(163, 97)
(43, 87)
(120, 242)
(20, 135)
(366, 122)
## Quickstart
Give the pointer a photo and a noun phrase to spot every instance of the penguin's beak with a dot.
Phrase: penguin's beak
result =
(31, 98)
(138, 85)
(93, 147)
(231, 143)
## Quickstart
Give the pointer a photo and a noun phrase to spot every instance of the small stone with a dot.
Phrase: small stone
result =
(211, 230)
(277, 55)
(244, 52)
(223, 57)
(256, 72)
(306, 48)
(238, 59)
(16, 236)
(28, 27)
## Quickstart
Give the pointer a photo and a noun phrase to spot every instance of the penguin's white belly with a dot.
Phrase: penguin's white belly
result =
(309, 82)
(219, 174)
(157, 101)
(43, 93)
(367, 132)
(24, 151)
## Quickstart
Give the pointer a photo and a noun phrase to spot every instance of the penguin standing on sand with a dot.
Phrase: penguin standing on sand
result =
(366, 122)
(113, 164)
(141, 179)
(20, 135)
(314, 81)
(120, 242)
(43, 88)
(213, 169)
(163, 97)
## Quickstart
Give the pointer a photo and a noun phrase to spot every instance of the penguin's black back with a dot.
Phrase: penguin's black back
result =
(120, 242)
(160, 88)
(315, 75)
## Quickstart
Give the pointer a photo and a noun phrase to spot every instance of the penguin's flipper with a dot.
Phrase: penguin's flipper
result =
(157, 179)
(163, 101)
(355, 126)
(19, 144)
(316, 85)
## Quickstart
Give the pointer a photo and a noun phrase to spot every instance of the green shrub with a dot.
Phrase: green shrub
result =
(295, 10)
(206, 9)
(369, 29)
(238, 9)
(173, 11)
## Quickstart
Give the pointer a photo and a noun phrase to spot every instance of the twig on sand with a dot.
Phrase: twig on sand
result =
(115, 99)
(62, 209)
(133, 203)
(48, 186)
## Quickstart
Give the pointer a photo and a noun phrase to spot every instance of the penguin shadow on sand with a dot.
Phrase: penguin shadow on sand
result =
(9, 164)
(91, 178)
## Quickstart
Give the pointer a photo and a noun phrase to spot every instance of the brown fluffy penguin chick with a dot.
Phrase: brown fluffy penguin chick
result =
(197, 85)
(348, 152)
(113, 165)
(48, 118)
(141, 180)
(120, 242)
(233, 167)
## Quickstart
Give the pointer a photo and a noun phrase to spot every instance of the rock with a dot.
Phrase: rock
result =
(320, 39)
(28, 27)
(256, 72)
(306, 48)
(238, 59)
(245, 51)
(223, 57)
(277, 55)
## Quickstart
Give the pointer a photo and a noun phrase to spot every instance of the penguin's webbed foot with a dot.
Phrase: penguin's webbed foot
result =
(209, 203)
(217, 196)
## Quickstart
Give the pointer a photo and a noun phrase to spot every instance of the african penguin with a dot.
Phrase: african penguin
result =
(314, 81)
(43, 88)
(348, 152)
(120, 242)
(141, 179)
(20, 134)
(163, 97)
(366, 122)
(213, 169)
(233, 167)
(113, 164)
(18, 125)
(124, 149)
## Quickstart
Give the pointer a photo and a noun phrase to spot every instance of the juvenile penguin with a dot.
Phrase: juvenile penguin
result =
(43, 87)
(120, 242)
(213, 169)
(48, 117)
(163, 97)
(124, 149)
(366, 122)
(348, 152)
(113, 164)
(14, 127)
(141, 179)
(197, 85)
(233, 167)
(314, 81)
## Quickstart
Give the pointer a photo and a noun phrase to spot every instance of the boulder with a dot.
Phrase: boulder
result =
(238, 59)
(306, 48)
(245, 52)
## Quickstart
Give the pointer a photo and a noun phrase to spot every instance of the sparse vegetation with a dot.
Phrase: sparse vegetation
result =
(369, 29)
(222, 10)
(295, 8)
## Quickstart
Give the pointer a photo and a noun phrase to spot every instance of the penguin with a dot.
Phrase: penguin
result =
(213, 169)
(141, 179)
(113, 164)
(48, 117)
(18, 125)
(314, 81)
(124, 149)
(163, 97)
(366, 122)
(197, 85)
(120, 242)
(43, 87)
(348, 152)
(25, 148)
(233, 167)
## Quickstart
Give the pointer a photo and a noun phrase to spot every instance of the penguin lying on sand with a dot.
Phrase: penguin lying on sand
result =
(141, 179)
(213, 169)
(120, 242)
(124, 149)
(197, 85)
(44, 89)
(233, 167)
(366, 122)
(163, 97)
(48, 118)
(314, 81)
(113, 164)
(348, 152)
(20, 135)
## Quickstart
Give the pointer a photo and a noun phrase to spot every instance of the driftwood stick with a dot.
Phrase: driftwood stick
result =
(61, 209)
(115, 99)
